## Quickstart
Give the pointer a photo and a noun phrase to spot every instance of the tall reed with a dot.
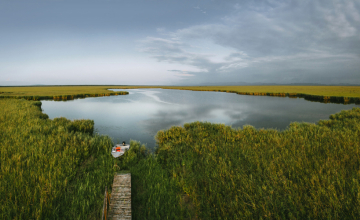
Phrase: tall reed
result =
(306, 172)
(57, 169)
(50, 169)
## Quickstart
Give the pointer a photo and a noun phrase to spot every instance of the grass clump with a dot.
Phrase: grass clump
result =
(50, 169)
(306, 172)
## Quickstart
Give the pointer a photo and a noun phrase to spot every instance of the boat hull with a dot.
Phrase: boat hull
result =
(115, 150)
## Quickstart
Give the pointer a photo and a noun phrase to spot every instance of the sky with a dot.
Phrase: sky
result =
(179, 42)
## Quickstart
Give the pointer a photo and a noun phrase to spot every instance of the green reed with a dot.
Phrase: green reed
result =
(305, 172)
(154, 194)
(57, 169)
(50, 169)
(212, 171)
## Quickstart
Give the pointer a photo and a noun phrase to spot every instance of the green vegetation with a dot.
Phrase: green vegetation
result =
(336, 94)
(154, 194)
(57, 92)
(213, 171)
(50, 169)
(340, 91)
(57, 169)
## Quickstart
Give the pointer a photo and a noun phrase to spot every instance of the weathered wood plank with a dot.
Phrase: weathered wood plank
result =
(120, 202)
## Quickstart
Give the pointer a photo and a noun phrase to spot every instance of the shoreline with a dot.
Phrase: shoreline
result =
(323, 94)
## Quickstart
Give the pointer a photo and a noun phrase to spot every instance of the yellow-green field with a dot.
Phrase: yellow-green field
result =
(337, 94)
(56, 92)
(343, 94)
(342, 91)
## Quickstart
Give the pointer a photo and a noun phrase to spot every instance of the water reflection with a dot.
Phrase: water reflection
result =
(143, 112)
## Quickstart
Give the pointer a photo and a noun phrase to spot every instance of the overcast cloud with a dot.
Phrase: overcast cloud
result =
(179, 42)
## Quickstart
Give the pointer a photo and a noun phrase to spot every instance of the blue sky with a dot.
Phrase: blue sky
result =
(173, 42)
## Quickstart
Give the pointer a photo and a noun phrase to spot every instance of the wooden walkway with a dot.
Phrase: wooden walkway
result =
(120, 202)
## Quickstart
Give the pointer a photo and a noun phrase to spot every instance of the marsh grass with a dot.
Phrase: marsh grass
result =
(325, 94)
(57, 93)
(154, 194)
(58, 169)
(212, 171)
(306, 172)
(50, 169)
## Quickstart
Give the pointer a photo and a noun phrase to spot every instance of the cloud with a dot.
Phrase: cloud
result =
(232, 66)
(282, 29)
(181, 73)
(200, 9)
(270, 39)
(175, 51)
(339, 19)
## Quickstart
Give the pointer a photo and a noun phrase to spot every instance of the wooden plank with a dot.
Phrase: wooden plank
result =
(120, 202)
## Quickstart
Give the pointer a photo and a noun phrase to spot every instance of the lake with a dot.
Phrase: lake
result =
(139, 115)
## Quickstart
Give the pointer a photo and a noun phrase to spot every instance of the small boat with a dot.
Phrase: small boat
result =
(119, 149)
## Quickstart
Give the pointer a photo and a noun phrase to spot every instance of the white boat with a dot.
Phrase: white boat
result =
(119, 149)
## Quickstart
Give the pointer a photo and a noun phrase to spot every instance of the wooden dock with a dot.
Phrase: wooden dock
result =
(120, 202)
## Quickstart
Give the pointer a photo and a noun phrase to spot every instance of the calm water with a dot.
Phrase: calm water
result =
(139, 115)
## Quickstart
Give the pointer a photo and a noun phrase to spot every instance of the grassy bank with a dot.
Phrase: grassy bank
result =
(306, 172)
(50, 169)
(341, 91)
(56, 92)
(335, 94)
(211, 171)
(327, 94)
